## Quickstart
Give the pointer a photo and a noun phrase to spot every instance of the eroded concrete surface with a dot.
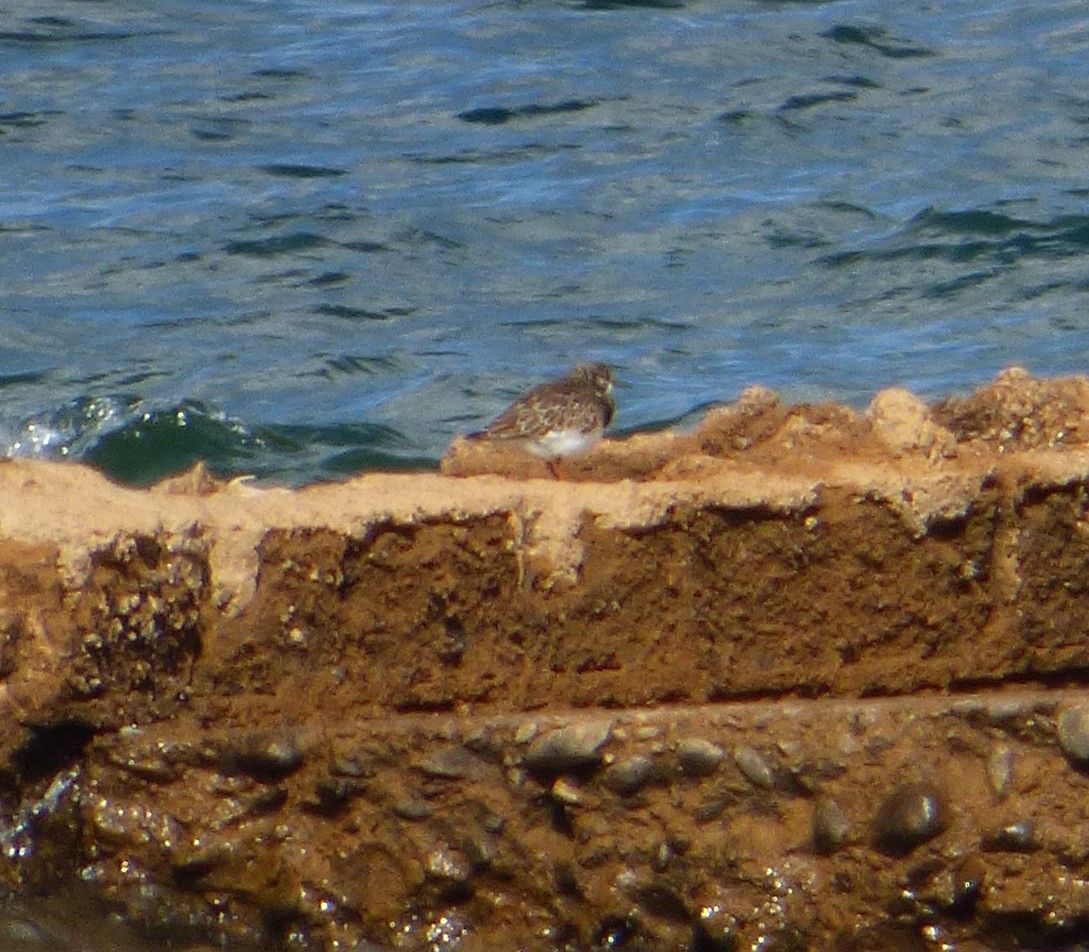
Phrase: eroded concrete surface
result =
(801, 678)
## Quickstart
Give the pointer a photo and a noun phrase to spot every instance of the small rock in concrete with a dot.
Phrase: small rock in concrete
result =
(830, 825)
(910, 815)
(527, 730)
(566, 793)
(1000, 771)
(1019, 837)
(411, 809)
(450, 763)
(626, 777)
(711, 809)
(576, 747)
(755, 767)
(446, 864)
(349, 766)
(1073, 724)
(968, 881)
(332, 792)
(662, 857)
(264, 757)
(699, 757)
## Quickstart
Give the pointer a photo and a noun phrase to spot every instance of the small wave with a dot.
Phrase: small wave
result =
(54, 29)
(624, 4)
(277, 245)
(139, 446)
(158, 443)
(363, 313)
(70, 429)
(808, 101)
(498, 115)
(877, 40)
(971, 235)
(302, 171)
(23, 120)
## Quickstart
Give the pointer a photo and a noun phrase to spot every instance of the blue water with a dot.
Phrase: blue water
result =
(305, 239)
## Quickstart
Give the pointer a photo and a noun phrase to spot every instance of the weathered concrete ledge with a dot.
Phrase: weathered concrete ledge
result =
(800, 678)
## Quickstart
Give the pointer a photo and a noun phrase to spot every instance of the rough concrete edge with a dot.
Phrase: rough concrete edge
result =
(81, 512)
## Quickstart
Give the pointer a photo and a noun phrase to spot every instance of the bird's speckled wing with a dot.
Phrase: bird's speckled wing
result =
(548, 408)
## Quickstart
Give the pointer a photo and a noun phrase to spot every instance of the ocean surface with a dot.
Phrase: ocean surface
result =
(306, 239)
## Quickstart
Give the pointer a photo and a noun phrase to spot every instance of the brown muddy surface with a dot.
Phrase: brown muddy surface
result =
(800, 678)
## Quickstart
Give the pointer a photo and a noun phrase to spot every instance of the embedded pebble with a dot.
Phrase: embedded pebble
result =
(662, 857)
(716, 927)
(332, 793)
(711, 809)
(450, 763)
(627, 776)
(480, 849)
(566, 793)
(576, 747)
(830, 825)
(410, 809)
(1017, 837)
(755, 768)
(1073, 722)
(526, 732)
(444, 864)
(152, 769)
(909, 816)
(968, 881)
(348, 766)
(1000, 771)
(699, 757)
(264, 757)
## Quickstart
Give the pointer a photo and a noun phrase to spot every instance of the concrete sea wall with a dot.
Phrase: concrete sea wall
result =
(801, 678)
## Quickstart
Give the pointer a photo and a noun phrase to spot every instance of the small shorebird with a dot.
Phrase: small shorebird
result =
(561, 418)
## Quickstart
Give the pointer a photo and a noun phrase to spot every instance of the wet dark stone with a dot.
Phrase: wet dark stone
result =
(1017, 837)
(615, 932)
(264, 758)
(968, 881)
(267, 800)
(714, 932)
(662, 900)
(332, 793)
(49, 748)
(909, 816)
(188, 867)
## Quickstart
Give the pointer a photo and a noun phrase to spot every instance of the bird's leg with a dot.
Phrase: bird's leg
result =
(554, 469)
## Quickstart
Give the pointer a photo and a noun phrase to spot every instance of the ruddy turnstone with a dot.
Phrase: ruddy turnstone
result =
(560, 418)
